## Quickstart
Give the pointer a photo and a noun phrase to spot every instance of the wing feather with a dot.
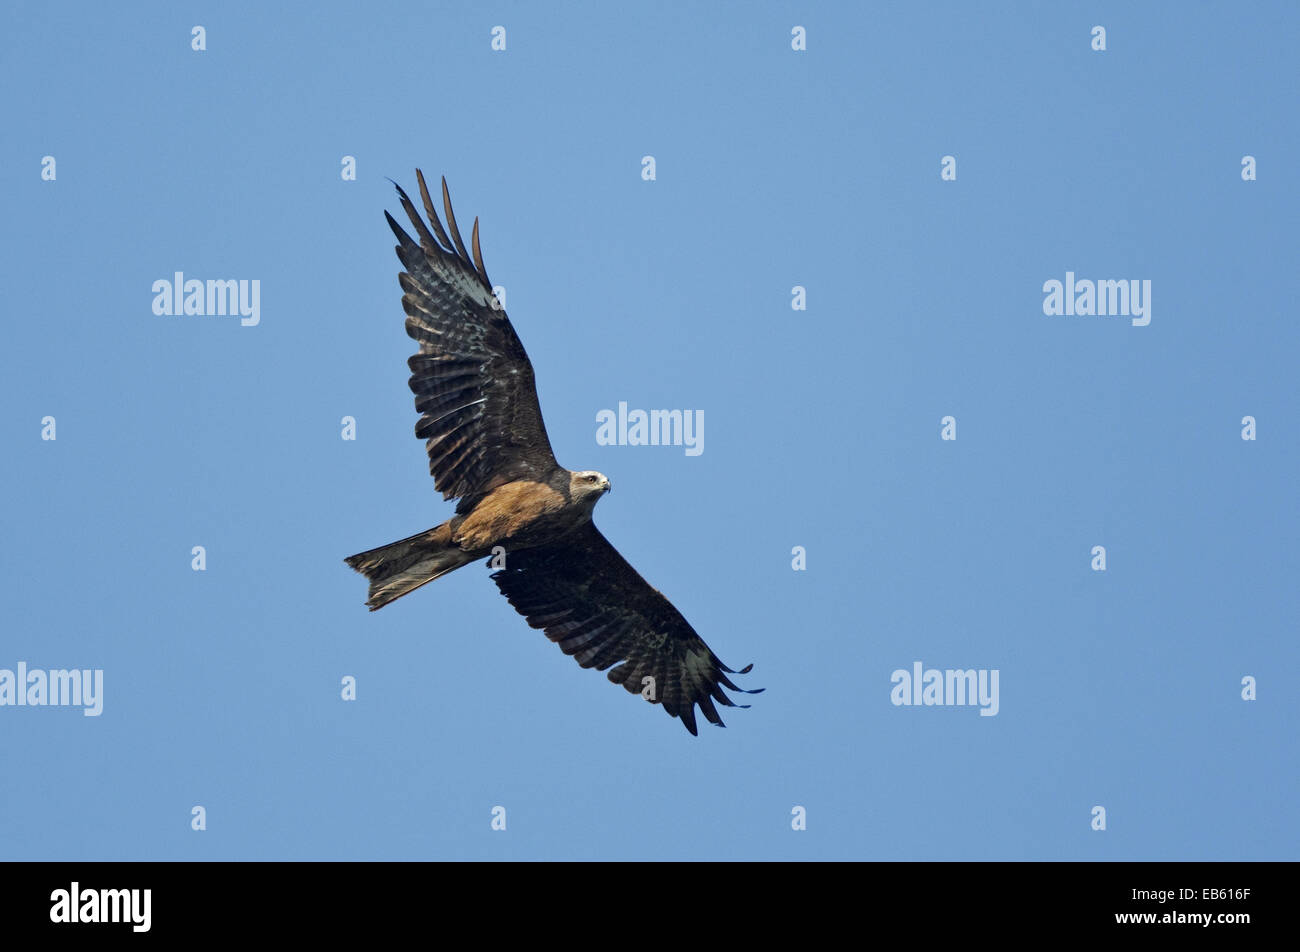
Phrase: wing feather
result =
(451, 223)
(445, 242)
(591, 602)
(472, 379)
(478, 254)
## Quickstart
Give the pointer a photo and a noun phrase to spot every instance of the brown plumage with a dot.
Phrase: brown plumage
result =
(482, 425)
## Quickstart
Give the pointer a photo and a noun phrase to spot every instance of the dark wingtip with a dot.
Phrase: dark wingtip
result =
(429, 210)
(451, 222)
(398, 230)
(427, 241)
(745, 670)
(478, 256)
(688, 718)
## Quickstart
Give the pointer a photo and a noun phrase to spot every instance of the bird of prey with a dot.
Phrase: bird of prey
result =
(487, 446)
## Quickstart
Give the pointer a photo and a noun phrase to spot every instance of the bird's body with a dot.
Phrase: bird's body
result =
(487, 445)
(517, 515)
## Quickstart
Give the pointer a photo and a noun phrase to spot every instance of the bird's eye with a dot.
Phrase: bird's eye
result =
(591, 479)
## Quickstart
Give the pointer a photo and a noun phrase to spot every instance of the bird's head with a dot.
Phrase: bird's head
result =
(588, 486)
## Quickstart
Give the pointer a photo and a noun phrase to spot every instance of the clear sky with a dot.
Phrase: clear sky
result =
(774, 168)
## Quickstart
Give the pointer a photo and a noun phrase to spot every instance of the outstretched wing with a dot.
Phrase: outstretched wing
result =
(591, 602)
(472, 380)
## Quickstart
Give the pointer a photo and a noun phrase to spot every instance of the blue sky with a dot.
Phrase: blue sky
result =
(774, 168)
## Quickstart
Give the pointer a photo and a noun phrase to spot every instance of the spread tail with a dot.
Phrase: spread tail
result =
(401, 567)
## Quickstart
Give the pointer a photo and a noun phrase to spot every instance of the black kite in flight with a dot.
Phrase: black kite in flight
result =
(487, 446)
